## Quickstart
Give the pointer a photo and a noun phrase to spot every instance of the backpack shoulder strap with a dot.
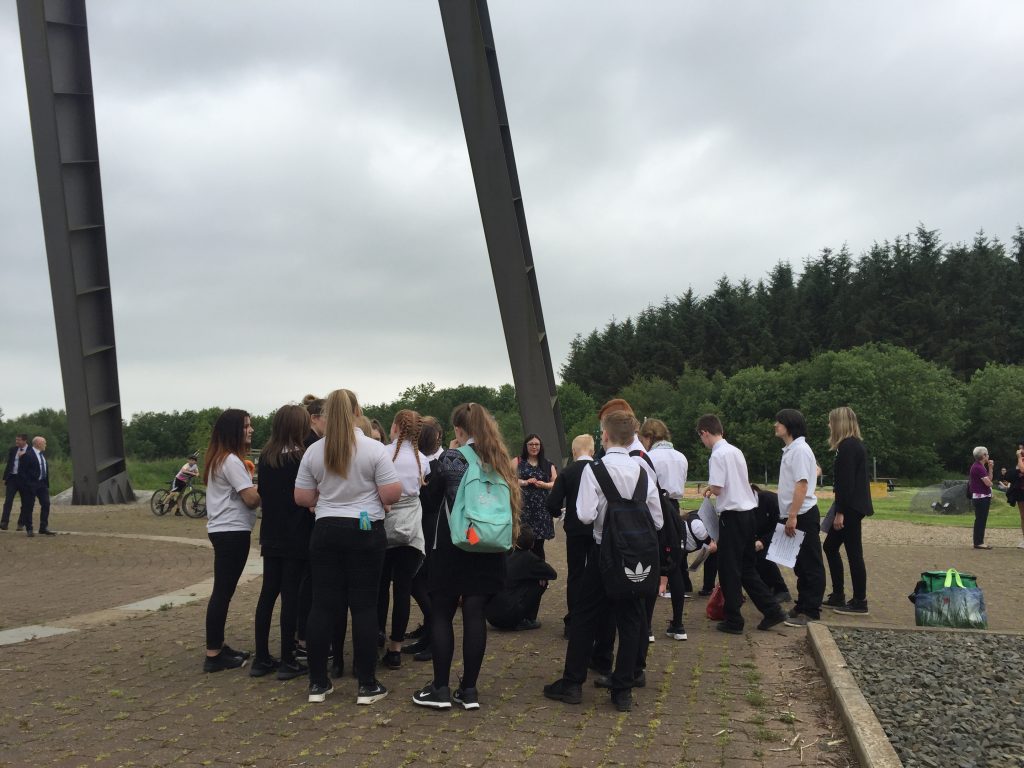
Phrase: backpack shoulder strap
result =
(640, 492)
(469, 454)
(605, 481)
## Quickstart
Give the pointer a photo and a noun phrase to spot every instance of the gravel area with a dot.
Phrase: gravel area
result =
(944, 698)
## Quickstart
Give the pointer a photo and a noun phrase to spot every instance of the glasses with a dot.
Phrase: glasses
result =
(533, 445)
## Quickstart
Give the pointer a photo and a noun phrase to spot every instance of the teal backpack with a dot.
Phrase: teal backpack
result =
(481, 518)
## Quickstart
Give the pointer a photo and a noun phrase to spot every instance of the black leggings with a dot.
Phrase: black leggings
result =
(474, 636)
(400, 565)
(230, 551)
(677, 586)
(281, 576)
(849, 537)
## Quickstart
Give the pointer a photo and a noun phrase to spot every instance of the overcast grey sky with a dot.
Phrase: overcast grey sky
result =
(290, 208)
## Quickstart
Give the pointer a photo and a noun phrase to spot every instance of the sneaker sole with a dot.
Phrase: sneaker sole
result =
(371, 699)
(432, 704)
(467, 705)
(675, 636)
(796, 624)
(844, 612)
(320, 698)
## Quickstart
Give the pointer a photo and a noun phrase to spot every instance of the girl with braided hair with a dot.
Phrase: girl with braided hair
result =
(403, 525)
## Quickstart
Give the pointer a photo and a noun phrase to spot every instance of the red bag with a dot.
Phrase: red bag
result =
(716, 604)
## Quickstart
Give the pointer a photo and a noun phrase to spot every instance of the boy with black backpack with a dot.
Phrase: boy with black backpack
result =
(616, 495)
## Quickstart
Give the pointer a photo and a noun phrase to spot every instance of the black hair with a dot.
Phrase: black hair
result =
(793, 421)
(526, 537)
(525, 454)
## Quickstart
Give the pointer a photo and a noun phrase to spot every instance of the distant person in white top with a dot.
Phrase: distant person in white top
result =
(231, 501)
(671, 466)
(798, 508)
(618, 430)
(403, 525)
(735, 503)
(349, 478)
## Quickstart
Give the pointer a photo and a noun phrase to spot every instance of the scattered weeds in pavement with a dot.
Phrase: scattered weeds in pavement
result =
(767, 734)
(755, 698)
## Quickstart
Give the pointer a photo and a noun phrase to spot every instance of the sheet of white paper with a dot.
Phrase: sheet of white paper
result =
(826, 523)
(709, 517)
(784, 549)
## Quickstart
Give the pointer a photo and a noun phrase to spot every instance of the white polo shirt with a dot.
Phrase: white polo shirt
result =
(591, 503)
(727, 468)
(407, 469)
(369, 467)
(671, 466)
(797, 464)
(225, 510)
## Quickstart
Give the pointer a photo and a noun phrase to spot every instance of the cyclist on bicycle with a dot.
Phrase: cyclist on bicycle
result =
(181, 481)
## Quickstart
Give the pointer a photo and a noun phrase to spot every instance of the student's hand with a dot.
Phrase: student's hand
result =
(837, 522)
(713, 547)
(758, 545)
(791, 525)
(707, 493)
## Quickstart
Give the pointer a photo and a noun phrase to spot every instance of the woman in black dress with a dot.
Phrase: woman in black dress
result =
(467, 577)
(536, 477)
(284, 540)
(852, 504)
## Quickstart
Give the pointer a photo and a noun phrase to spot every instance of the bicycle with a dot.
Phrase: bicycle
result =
(191, 501)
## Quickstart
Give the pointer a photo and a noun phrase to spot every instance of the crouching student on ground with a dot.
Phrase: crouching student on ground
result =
(767, 517)
(618, 430)
(526, 579)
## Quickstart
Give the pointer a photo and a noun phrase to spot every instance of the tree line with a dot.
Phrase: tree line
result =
(959, 306)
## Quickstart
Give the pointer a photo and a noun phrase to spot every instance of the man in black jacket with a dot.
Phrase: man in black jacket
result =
(11, 479)
(579, 538)
(34, 474)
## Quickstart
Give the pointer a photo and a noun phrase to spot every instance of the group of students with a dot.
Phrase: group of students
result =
(351, 525)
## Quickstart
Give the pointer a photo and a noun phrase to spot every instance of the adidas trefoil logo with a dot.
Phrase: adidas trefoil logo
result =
(639, 574)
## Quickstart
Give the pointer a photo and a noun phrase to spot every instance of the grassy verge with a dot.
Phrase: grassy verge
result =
(145, 475)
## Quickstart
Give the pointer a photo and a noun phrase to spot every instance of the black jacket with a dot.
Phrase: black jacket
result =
(850, 475)
(285, 527)
(524, 572)
(9, 473)
(564, 492)
(766, 517)
(29, 470)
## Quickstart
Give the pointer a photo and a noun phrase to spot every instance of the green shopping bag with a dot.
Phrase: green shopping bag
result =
(933, 581)
(954, 600)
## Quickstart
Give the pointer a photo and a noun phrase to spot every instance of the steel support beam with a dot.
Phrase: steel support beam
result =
(58, 76)
(467, 30)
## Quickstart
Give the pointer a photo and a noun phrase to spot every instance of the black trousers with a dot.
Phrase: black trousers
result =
(980, 519)
(281, 576)
(31, 492)
(849, 537)
(770, 573)
(14, 488)
(506, 610)
(578, 550)
(584, 627)
(345, 562)
(400, 566)
(677, 586)
(710, 572)
(810, 568)
(230, 551)
(737, 567)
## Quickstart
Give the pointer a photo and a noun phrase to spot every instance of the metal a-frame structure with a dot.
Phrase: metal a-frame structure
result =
(58, 76)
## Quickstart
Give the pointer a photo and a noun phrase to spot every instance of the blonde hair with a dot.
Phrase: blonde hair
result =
(409, 424)
(620, 426)
(477, 422)
(341, 409)
(582, 444)
(655, 430)
(842, 423)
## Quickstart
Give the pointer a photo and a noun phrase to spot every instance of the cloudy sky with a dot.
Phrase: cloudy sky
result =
(290, 207)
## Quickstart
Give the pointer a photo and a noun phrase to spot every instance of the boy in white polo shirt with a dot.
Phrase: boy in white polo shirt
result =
(798, 509)
(735, 502)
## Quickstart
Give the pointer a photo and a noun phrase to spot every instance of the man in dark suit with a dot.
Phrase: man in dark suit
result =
(11, 480)
(34, 473)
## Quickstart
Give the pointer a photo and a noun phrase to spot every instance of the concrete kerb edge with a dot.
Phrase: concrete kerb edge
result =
(867, 737)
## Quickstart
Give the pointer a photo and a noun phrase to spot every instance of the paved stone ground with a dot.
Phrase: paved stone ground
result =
(129, 691)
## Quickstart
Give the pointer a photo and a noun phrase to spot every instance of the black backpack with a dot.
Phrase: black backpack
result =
(628, 557)
(671, 534)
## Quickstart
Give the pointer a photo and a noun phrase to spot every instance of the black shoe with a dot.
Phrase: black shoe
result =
(676, 632)
(425, 655)
(564, 691)
(783, 596)
(261, 667)
(368, 694)
(835, 601)
(419, 645)
(605, 681)
(467, 697)
(221, 662)
(392, 660)
(773, 619)
(416, 634)
(29, 533)
(300, 654)
(527, 624)
(319, 693)
(20, 528)
(244, 655)
(705, 592)
(731, 629)
(854, 606)
(433, 696)
(381, 639)
(3, 526)
(337, 669)
(289, 670)
(623, 699)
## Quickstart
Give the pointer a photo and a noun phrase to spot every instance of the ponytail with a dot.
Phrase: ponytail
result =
(409, 424)
(340, 411)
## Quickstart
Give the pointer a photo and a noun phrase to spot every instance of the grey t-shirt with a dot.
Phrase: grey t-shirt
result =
(348, 496)
(225, 510)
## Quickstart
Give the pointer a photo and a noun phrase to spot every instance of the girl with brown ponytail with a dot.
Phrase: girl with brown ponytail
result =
(404, 528)
(470, 577)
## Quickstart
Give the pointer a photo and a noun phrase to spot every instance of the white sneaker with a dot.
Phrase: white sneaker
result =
(665, 594)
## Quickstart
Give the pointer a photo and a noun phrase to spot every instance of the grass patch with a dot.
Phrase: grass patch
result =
(755, 698)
